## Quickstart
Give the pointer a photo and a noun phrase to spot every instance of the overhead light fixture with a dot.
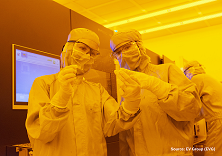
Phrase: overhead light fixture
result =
(181, 23)
(189, 5)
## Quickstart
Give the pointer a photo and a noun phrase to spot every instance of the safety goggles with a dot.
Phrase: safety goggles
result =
(186, 70)
(80, 46)
(117, 53)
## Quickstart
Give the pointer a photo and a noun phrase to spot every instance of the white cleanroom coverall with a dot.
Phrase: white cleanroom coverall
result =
(169, 102)
(81, 128)
(165, 127)
(69, 116)
(210, 91)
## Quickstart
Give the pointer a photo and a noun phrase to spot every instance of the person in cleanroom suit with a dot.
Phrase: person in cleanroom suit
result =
(69, 116)
(210, 91)
(169, 101)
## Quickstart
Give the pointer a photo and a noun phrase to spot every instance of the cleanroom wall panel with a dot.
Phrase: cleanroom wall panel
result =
(154, 58)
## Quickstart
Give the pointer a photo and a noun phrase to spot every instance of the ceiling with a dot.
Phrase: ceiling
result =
(106, 12)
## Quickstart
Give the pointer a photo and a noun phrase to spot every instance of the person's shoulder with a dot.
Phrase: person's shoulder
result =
(166, 66)
(207, 81)
(170, 65)
(204, 77)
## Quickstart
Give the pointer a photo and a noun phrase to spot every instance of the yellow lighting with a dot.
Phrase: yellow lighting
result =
(159, 13)
(181, 23)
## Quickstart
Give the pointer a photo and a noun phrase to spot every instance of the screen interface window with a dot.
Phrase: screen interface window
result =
(30, 66)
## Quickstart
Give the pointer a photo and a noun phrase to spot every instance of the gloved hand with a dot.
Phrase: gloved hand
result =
(130, 91)
(66, 78)
(155, 85)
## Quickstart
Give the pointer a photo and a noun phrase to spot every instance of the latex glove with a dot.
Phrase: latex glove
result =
(130, 91)
(66, 78)
(155, 85)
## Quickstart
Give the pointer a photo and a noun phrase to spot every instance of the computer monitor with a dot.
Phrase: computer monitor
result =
(28, 64)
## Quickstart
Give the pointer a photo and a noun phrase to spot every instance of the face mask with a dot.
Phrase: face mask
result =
(131, 58)
(82, 60)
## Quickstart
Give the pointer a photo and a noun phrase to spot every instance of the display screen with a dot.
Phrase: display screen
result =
(28, 65)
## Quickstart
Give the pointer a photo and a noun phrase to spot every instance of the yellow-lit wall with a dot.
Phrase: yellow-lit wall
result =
(203, 45)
